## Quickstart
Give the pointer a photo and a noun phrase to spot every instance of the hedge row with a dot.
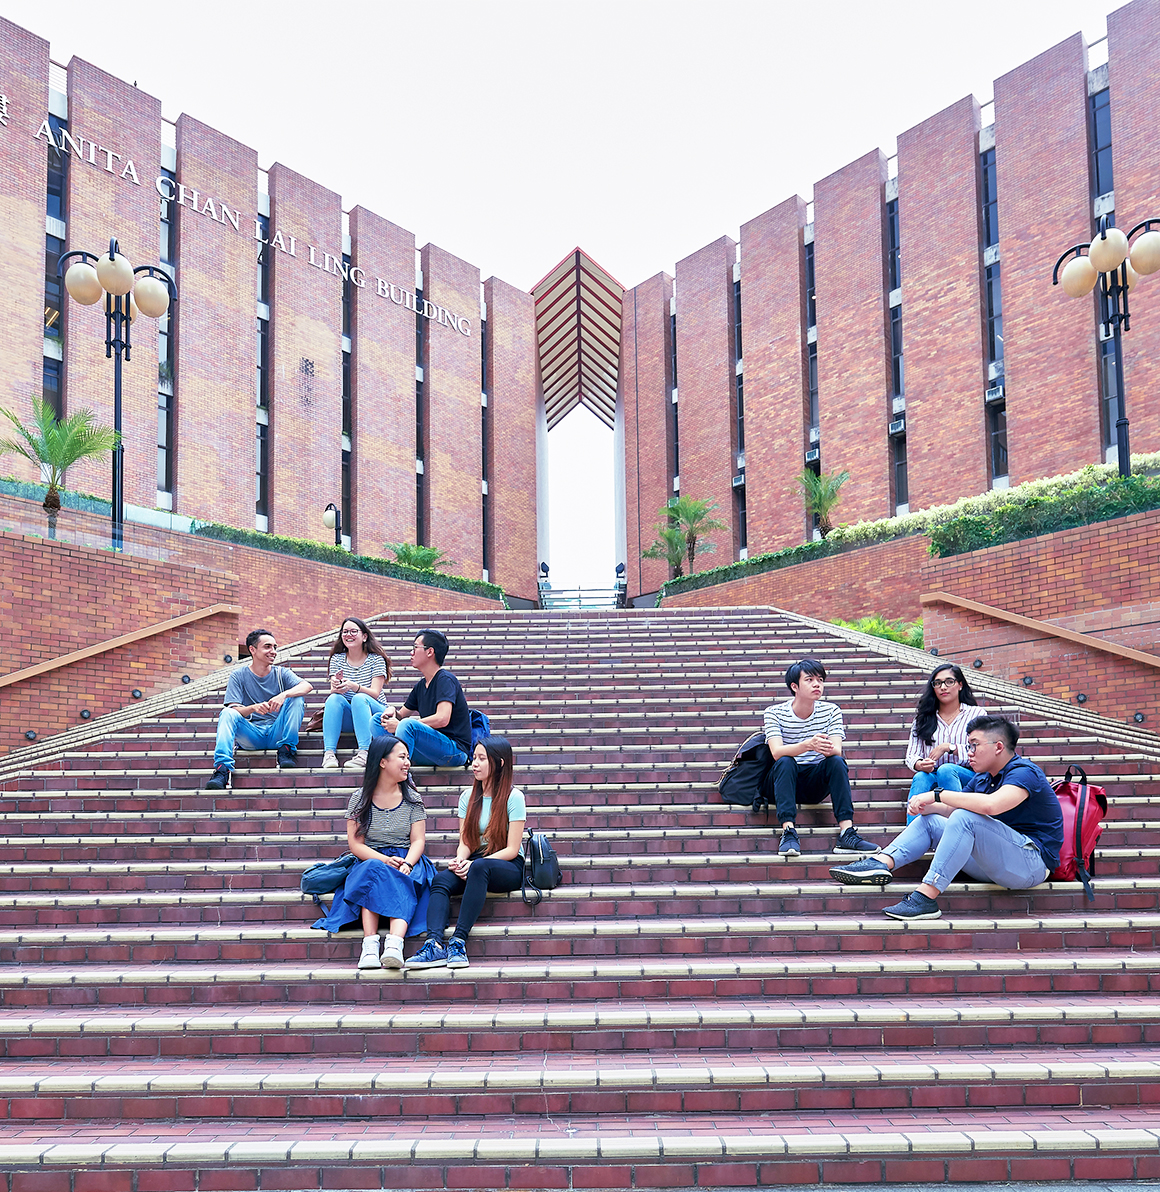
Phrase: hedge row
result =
(35, 492)
(1095, 493)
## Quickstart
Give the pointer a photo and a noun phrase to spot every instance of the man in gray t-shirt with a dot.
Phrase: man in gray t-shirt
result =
(264, 706)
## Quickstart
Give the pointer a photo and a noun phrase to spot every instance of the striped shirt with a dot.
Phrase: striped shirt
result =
(782, 726)
(373, 664)
(946, 732)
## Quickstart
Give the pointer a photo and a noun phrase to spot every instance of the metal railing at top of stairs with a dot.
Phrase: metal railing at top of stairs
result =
(583, 598)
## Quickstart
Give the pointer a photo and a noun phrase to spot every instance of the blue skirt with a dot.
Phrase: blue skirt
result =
(386, 891)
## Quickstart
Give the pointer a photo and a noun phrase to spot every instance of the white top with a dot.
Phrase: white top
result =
(784, 727)
(946, 732)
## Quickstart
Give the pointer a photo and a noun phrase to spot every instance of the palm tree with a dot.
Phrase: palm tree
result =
(670, 546)
(691, 520)
(54, 445)
(423, 558)
(821, 493)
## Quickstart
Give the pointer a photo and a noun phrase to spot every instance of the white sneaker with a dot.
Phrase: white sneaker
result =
(358, 761)
(370, 953)
(330, 760)
(393, 952)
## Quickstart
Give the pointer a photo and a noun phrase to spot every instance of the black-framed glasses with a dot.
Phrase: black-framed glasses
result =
(945, 683)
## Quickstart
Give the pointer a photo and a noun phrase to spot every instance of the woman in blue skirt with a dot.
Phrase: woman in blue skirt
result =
(386, 828)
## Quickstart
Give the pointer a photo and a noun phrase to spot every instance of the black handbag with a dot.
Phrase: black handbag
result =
(327, 876)
(744, 782)
(541, 868)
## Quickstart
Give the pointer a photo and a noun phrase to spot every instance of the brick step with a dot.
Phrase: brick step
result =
(228, 1031)
(685, 1082)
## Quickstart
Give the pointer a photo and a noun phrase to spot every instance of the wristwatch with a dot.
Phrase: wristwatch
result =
(937, 795)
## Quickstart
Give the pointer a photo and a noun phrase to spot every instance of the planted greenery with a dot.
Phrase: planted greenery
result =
(424, 558)
(909, 633)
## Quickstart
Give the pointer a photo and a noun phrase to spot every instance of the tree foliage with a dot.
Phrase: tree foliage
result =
(822, 491)
(687, 521)
(423, 558)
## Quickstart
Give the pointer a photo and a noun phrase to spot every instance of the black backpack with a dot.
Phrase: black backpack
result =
(541, 868)
(743, 783)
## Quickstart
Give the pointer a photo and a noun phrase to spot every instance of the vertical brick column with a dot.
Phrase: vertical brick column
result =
(776, 386)
(942, 306)
(23, 188)
(1041, 159)
(214, 378)
(646, 395)
(382, 382)
(305, 355)
(706, 386)
(111, 192)
(513, 377)
(1134, 82)
(853, 344)
(454, 459)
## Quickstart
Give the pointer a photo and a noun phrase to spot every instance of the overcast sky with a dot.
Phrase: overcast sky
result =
(509, 131)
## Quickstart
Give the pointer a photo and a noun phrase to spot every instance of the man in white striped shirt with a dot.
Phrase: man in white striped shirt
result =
(805, 736)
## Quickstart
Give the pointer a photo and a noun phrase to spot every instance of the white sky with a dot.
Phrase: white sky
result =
(510, 131)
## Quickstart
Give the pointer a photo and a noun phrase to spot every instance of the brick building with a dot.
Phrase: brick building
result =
(902, 325)
(315, 354)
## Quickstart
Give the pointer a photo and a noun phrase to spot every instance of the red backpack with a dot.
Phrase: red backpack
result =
(1084, 808)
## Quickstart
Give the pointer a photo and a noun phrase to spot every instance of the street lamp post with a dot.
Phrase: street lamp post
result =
(332, 520)
(1117, 265)
(89, 279)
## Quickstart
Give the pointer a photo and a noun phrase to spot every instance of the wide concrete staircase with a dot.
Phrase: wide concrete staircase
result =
(686, 1010)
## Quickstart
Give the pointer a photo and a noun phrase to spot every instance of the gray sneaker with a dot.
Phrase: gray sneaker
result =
(850, 842)
(790, 846)
(869, 871)
(915, 905)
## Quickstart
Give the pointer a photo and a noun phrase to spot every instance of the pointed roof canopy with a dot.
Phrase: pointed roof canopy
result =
(578, 331)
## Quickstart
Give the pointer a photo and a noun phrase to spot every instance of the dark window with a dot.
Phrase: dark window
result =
(742, 534)
(347, 422)
(896, 363)
(484, 379)
(737, 320)
(51, 389)
(740, 413)
(676, 439)
(893, 247)
(420, 519)
(901, 491)
(263, 375)
(420, 331)
(264, 251)
(1109, 392)
(57, 170)
(812, 356)
(167, 246)
(262, 471)
(347, 515)
(994, 312)
(420, 425)
(997, 434)
(1101, 143)
(346, 291)
(811, 293)
(53, 247)
(673, 348)
(165, 360)
(990, 199)
(485, 466)
(165, 442)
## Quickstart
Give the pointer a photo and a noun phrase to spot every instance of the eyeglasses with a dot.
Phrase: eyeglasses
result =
(945, 683)
(973, 745)
(351, 632)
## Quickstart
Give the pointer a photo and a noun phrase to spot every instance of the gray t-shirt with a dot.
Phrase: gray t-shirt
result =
(826, 718)
(246, 688)
(389, 829)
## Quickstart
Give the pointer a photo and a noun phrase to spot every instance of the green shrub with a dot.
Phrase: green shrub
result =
(70, 500)
(908, 633)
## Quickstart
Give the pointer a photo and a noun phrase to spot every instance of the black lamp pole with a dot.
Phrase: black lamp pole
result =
(336, 514)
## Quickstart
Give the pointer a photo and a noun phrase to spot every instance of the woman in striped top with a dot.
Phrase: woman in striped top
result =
(358, 671)
(937, 752)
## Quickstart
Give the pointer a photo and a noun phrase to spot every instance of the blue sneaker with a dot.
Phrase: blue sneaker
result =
(456, 952)
(915, 905)
(430, 955)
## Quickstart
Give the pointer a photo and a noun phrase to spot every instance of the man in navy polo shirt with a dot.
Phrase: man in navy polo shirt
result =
(1005, 827)
(434, 721)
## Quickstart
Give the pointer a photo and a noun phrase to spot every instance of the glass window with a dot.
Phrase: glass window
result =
(347, 515)
(347, 421)
(811, 291)
(997, 433)
(51, 389)
(57, 170)
(53, 247)
(168, 234)
(742, 533)
(994, 289)
(164, 442)
(990, 199)
(893, 246)
(263, 293)
(901, 491)
(740, 414)
(420, 328)
(1109, 393)
(346, 291)
(484, 379)
(815, 416)
(1101, 143)
(262, 471)
(897, 370)
(673, 349)
(737, 320)
(263, 378)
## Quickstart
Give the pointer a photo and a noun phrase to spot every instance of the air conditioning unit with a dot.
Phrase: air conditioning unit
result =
(898, 426)
(813, 455)
(739, 481)
(995, 393)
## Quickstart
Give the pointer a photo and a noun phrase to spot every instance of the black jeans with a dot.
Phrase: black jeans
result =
(488, 874)
(794, 784)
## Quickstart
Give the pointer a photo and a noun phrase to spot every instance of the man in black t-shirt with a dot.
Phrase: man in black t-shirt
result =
(434, 722)
(1006, 827)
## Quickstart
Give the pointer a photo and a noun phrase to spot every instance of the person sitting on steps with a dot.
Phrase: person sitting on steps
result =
(805, 736)
(491, 827)
(434, 721)
(264, 707)
(937, 750)
(1005, 827)
(358, 670)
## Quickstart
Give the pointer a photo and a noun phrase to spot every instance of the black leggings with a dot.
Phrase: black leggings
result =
(488, 874)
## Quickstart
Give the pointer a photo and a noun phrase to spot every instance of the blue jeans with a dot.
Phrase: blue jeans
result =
(426, 745)
(979, 846)
(950, 776)
(235, 729)
(342, 716)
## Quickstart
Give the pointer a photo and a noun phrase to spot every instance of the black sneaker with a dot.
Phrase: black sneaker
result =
(869, 871)
(287, 756)
(915, 905)
(220, 779)
(850, 842)
(790, 846)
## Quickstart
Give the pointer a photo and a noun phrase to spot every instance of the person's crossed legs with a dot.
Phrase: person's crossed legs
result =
(428, 746)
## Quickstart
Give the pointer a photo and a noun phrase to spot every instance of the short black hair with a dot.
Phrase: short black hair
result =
(807, 666)
(1000, 726)
(434, 640)
(254, 634)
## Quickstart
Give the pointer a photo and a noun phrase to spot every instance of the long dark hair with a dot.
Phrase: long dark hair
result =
(380, 747)
(371, 645)
(499, 754)
(927, 713)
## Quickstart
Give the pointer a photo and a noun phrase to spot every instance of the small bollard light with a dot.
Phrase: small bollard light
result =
(1139, 718)
(227, 658)
(85, 714)
(185, 679)
(30, 735)
(977, 664)
(1081, 698)
(135, 693)
(1027, 680)
(933, 650)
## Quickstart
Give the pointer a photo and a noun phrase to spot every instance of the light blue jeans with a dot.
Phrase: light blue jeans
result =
(976, 845)
(235, 730)
(342, 716)
(950, 776)
(426, 745)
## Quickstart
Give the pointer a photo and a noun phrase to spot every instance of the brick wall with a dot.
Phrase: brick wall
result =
(645, 392)
(942, 307)
(773, 325)
(57, 598)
